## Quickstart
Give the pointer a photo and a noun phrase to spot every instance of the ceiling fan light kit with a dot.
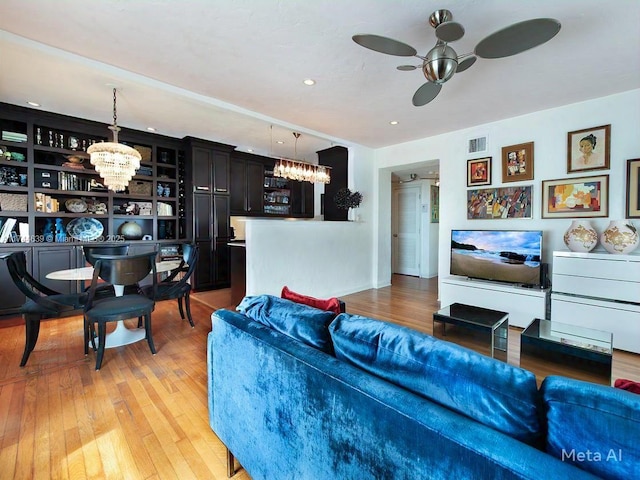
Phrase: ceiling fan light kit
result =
(442, 62)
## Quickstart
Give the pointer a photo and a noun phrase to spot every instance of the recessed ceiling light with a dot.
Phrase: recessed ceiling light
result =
(309, 81)
(393, 122)
(34, 104)
(280, 142)
(249, 149)
(151, 129)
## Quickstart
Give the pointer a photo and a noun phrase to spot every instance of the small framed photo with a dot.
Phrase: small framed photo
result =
(517, 162)
(479, 171)
(633, 188)
(588, 149)
(579, 197)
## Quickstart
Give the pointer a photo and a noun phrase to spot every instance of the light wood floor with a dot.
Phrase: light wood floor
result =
(144, 416)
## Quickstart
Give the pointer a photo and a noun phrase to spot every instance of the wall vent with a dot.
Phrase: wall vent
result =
(477, 145)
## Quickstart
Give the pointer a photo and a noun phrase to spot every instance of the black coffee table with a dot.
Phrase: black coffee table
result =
(492, 321)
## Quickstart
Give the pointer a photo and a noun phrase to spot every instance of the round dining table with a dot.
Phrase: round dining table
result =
(121, 335)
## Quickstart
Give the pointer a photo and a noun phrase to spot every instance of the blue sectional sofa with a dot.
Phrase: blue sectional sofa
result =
(298, 393)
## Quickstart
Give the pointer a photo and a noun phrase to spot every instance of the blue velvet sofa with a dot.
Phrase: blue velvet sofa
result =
(297, 393)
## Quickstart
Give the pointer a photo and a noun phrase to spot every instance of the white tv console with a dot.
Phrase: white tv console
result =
(523, 304)
(599, 291)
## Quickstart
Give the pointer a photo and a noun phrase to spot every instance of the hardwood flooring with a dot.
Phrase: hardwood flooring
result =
(145, 416)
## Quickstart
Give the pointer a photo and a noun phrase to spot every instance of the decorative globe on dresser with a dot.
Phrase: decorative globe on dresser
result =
(581, 236)
(620, 237)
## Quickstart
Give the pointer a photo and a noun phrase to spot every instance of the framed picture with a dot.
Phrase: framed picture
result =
(502, 202)
(517, 162)
(576, 197)
(633, 188)
(588, 149)
(435, 204)
(479, 171)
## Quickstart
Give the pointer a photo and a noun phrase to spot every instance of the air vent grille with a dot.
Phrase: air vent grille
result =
(477, 145)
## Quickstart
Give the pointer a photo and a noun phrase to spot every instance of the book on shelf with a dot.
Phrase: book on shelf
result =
(7, 228)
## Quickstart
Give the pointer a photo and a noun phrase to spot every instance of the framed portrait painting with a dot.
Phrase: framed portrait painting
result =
(588, 149)
(517, 162)
(576, 197)
(633, 188)
(479, 171)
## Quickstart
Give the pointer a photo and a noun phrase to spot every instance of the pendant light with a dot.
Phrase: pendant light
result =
(301, 171)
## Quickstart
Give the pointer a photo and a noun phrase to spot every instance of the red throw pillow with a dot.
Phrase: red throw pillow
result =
(329, 305)
(628, 385)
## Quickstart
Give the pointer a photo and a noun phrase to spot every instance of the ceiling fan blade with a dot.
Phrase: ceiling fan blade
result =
(466, 63)
(426, 93)
(449, 31)
(385, 45)
(407, 68)
(518, 38)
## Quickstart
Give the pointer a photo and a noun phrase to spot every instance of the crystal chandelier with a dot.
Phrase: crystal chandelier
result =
(301, 171)
(116, 163)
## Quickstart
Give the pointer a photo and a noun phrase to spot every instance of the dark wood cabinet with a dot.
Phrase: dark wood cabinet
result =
(11, 298)
(255, 187)
(209, 167)
(52, 258)
(247, 179)
(337, 158)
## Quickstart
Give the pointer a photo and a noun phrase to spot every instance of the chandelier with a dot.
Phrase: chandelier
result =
(301, 171)
(116, 163)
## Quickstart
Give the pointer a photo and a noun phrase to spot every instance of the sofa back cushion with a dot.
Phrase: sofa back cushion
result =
(299, 321)
(593, 426)
(491, 392)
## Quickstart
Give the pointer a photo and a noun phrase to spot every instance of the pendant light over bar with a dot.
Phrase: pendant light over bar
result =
(116, 163)
(301, 171)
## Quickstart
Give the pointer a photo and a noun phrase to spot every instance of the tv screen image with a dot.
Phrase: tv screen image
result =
(511, 256)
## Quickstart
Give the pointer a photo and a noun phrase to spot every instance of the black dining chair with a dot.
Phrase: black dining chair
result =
(123, 271)
(179, 289)
(41, 302)
(90, 252)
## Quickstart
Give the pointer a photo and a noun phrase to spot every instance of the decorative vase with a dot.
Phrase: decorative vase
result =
(131, 231)
(620, 237)
(580, 236)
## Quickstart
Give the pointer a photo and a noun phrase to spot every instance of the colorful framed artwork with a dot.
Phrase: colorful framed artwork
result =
(502, 202)
(576, 197)
(479, 171)
(633, 188)
(517, 162)
(588, 149)
(435, 204)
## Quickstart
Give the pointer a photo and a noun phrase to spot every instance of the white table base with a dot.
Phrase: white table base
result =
(123, 336)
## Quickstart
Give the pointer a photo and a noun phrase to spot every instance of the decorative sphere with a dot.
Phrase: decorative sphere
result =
(131, 231)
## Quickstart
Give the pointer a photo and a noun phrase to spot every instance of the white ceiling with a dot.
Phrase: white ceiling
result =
(227, 70)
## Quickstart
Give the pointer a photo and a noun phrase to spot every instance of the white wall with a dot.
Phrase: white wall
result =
(548, 130)
(316, 258)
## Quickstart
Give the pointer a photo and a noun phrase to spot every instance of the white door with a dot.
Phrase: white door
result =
(406, 231)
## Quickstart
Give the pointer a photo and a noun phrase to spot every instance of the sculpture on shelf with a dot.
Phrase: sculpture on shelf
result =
(47, 232)
(61, 234)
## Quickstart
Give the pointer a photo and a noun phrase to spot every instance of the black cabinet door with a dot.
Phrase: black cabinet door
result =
(238, 187)
(223, 264)
(202, 217)
(202, 159)
(220, 166)
(255, 187)
(11, 298)
(203, 276)
(51, 258)
(221, 221)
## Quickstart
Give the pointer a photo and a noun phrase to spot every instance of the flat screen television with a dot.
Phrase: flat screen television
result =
(510, 256)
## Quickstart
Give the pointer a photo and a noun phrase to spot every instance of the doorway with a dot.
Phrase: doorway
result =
(406, 230)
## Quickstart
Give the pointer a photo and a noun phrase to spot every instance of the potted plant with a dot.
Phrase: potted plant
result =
(345, 199)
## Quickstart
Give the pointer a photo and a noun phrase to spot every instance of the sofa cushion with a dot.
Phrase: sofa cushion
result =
(299, 321)
(329, 304)
(593, 426)
(491, 392)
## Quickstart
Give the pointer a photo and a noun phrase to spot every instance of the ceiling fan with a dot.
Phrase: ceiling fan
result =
(441, 62)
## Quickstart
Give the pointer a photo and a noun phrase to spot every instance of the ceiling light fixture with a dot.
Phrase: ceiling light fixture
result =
(151, 129)
(301, 171)
(116, 163)
(34, 104)
(309, 81)
(393, 122)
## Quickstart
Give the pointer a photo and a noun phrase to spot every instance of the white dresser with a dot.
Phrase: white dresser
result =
(599, 291)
